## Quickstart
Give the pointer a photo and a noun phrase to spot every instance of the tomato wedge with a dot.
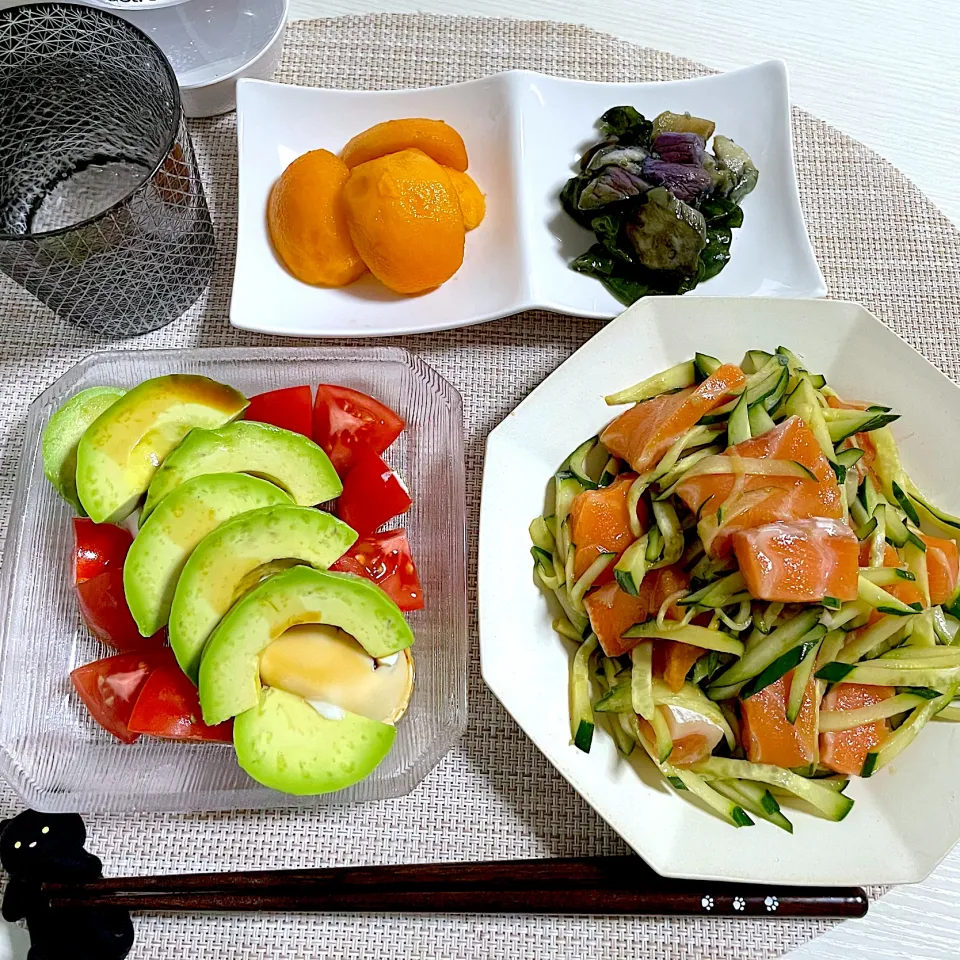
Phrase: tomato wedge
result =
(97, 547)
(109, 687)
(386, 559)
(104, 609)
(169, 707)
(347, 422)
(290, 408)
(372, 495)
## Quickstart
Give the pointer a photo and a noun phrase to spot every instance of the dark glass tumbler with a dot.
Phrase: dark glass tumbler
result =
(102, 211)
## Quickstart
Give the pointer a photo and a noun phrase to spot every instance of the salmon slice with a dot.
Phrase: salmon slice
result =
(943, 568)
(799, 562)
(768, 737)
(644, 433)
(694, 737)
(612, 611)
(673, 660)
(764, 499)
(600, 523)
(844, 751)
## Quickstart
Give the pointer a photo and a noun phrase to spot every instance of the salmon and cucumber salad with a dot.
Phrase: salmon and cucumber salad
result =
(761, 598)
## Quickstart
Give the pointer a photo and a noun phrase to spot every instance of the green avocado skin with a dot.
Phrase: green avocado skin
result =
(165, 542)
(229, 678)
(62, 437)
(236, 550)
(286, 744)
(290, 460)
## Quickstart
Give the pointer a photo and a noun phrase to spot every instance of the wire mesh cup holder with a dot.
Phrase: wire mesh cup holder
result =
(103, 215)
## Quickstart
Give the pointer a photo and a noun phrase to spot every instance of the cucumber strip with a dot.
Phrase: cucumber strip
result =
(946, 630)
(783, 664)
(743, 618)
(625, 743)
(878, 539)
(906, 733)
(641, 681)
(654, 544)
(754, 799)
(905, 505)
(631, 568)
(581, 695)
(577, 463)
(611, 668)
(636, 491)
(668, 524)
(793, 362)
(886, 576)
(847, 615)
(765, 381)
(691, 697)
(875, 673)
(687, 633)
(772, 400)
(750, 466)
(939, 656)
(834, 805)
(833, 720)
(867, 422)
(850, 457)
(768, 650)
(566, 629)
(870, 497)
(738, 426)
(897, 532)
(864, 524)
(916, 560)
(858, 647)
(668, 482)
(716, 594)
(578, 620)
(545, 569)
(729, 809)
(667, 381)
(662, 732)
(946, 522)
(618, 699)
(767, 620)
(609, 472)
(801, 677)
(567, 489)
(587, 579)
(830, 647)
(754, 360)
(949, 713)
(879, 599)
(760, 420)
(541, 536)
(705, 365)
(569, 566)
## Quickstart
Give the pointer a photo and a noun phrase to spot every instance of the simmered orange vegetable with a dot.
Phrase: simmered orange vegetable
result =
(473, 204)
(434, 137)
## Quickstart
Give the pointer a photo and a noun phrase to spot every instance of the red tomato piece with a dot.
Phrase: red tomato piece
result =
(109, 688)
(104, 609)
(347, 422)
(97, 547)
(372, 495)
(290, 408)
(386, 559)
(169, 707)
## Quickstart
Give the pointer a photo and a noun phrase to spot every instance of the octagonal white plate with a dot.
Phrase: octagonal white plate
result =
(524, 132)
(907, 816)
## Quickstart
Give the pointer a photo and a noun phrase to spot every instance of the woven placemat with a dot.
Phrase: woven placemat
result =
(878, 240)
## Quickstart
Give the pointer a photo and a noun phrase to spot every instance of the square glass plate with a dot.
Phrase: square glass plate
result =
(58, 759)
(907, 816)
(524, 133)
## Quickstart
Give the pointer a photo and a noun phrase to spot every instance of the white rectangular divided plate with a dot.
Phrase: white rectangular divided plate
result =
(907, 816)
(524, 134)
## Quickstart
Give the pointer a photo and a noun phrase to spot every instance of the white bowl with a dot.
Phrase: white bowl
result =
(523, 132)
(213, 43)
(907, 816)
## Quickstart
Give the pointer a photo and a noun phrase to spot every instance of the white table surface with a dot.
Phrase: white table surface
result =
(884, 71)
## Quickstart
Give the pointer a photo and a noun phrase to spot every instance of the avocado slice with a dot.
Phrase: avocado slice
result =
(164, 543)
(230, 665)
(225, 559)
(61, 437)
(287, 744)
(121, 450)
(290, 460)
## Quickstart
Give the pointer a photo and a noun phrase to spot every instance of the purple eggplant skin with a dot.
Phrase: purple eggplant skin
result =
(685, 182)
(611, 185)
(686, 148)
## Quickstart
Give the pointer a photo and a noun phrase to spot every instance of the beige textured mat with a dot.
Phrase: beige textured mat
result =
(878, 241)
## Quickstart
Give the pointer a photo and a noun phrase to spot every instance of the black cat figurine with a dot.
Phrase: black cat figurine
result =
(37, 848)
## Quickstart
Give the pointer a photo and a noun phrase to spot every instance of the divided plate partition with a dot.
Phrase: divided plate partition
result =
(524, 132)
(57, 758)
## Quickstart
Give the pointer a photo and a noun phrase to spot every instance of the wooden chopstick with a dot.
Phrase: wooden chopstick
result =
(589, 886)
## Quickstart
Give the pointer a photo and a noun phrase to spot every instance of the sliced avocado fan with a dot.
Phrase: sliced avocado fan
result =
(230, 666)
(62, 437)
(290, 460)
(164, 543)
(120, 451)
(214, 576)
